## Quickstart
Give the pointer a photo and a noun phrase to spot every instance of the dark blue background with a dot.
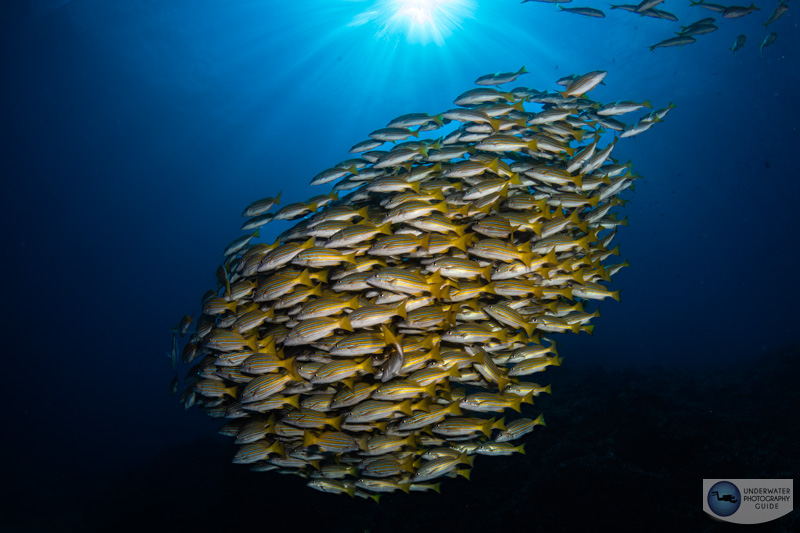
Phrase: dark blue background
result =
(134, 132)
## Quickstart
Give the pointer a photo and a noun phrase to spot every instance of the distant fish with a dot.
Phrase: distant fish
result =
(173, 354)
(674, 41)
(659, 14)
(778, 13)
(621, 107)
(414, 119)
(698, 29)
(239, 243)
(739, 43)
(625, 7)
(261, 206)
(768, 40)
(500, 77)
(644, 5)
(583, 84)
(586, 11)
(734, 12)
(711, 7)
(391, 134)
(183, 327)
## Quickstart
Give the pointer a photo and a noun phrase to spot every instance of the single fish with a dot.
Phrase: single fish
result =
(674, 41)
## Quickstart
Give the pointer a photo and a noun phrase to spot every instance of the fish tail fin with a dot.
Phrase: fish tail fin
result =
(304, 278)
(461, 242)
(425, 242)
(366, 365)
(430, 390)
(344, 323)
(309, 439)
(293, 400)
(528, 398)
(388, 336)
(405, 407)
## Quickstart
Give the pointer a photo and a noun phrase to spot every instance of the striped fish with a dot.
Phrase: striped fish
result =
(333, 441)
(499, 250)
(424, 419)
(387, 466)
(404, 281)
(457, 427)
(280, 284)
(346, 397)
(518, 428)
(382, 485)
(319, 257)
(363, 343)
(256, 451)
(315, 328)
(396, 390)
(499, 448)
(271, 403)
(333, 486)
(264, 386)
(322, 307)
(394, 245)
(340, 370)
(531, 366)
(441, 466)
(509, 317)
(261, 206)
(283, 254)
(383, 444)
(311, 419)
(472, 333)
(486, 402)
(413, 209)
(373, 410)
(425, 317)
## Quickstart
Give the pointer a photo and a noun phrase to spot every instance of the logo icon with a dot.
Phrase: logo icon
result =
(724, 498)
(748, 501)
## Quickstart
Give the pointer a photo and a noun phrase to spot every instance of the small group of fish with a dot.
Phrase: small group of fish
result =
(382, 342)
(647, 8)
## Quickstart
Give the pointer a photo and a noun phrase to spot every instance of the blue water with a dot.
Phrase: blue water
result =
(136, 131)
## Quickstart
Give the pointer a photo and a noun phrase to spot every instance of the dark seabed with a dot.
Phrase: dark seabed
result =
(135, 132)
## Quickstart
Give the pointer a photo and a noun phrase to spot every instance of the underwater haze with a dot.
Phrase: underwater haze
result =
(136, 132)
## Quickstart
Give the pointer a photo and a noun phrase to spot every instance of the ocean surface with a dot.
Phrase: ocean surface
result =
(135, 132)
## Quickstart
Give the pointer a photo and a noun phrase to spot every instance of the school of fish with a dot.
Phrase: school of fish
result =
(687, 34)
(392, 334)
